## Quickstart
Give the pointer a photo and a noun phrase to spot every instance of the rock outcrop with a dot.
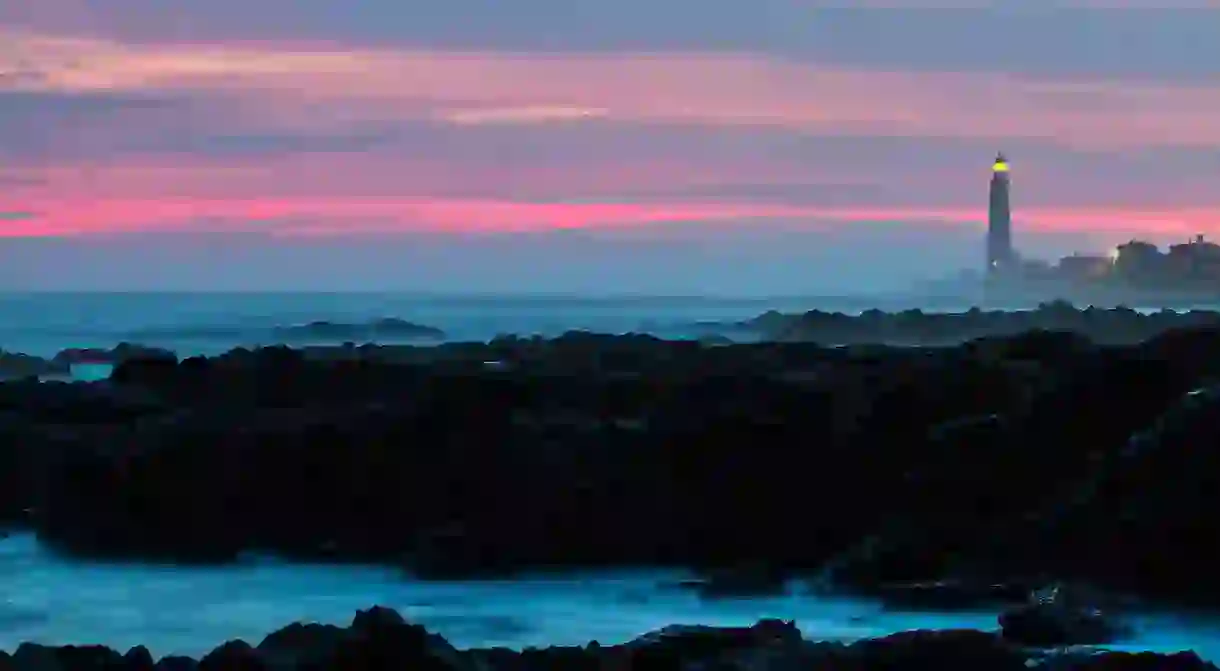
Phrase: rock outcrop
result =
(14, 365)
(1003, 461)
(914, 327)
(380, 640)
(1060, 616)
(115, 355)
(388, 328)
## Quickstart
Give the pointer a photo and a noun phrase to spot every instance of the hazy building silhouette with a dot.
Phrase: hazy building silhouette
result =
(1139, 264)
(1001, 258)
(1192, 266)
(1084, 267)
(1195, 264)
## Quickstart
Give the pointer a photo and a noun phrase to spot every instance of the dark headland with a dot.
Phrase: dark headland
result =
(1059, 466)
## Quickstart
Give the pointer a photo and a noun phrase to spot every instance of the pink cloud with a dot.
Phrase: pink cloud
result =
(306, 216)
(332, 88)
(362, 217)
(318, 88)
(347, 176)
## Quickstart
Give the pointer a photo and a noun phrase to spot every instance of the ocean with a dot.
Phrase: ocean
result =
(188, 610)
(210, 323)
(199, 323)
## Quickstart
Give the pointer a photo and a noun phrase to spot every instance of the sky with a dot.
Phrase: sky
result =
(586, 146)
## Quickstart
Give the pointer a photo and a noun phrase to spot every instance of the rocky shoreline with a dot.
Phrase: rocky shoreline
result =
(947, 477)
(1113, 326)
(1002, 459)
(379, 639)
(999, 460)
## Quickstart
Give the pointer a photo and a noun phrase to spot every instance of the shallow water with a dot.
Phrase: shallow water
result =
(48, 599)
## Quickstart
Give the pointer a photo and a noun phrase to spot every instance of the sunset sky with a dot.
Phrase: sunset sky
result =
(661, 146)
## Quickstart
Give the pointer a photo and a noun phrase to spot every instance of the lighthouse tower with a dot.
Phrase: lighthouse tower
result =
(1001, 259)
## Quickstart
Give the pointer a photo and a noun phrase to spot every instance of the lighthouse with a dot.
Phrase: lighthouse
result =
(1001, 259)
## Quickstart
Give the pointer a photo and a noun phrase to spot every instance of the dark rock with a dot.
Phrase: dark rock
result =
(1052, 624)
(380, 639)
(739, 582)
(233, 656)
(949, 650)
(555, 657)
(91, 658)
(913, 327)
(715, 340)
(387, 328)
(869, 466)
(37, 657)
(139, 659)
(301, 644)
(1141, 661)
(1113, 528)
(950, 595)
(699, 639)
(376, 619)
(18, 366)
(452, 552)
(118, 354)
(676, 646)
(34, 657)
(176, 663)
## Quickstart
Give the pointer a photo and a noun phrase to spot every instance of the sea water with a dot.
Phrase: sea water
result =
(206, 323)
(188, 610)
(210, 323)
